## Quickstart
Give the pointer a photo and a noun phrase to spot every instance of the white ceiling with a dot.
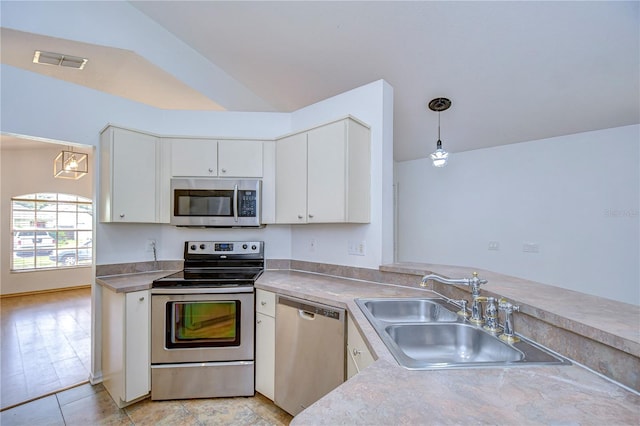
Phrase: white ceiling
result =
(515, 71)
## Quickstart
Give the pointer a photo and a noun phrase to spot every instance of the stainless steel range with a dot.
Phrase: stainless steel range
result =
(202, 322)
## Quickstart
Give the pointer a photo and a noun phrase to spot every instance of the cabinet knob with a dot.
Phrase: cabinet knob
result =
(263, 303)
(224, 170)
(210, 170)
(356, 352)
(299, 216)
(121, 215)
(141, 298)
(258, 321)
(310, 215)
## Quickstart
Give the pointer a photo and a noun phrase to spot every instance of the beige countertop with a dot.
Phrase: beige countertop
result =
(125, 283)
(385, 393)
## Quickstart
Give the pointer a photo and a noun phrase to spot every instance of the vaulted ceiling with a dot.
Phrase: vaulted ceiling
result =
(515, 71)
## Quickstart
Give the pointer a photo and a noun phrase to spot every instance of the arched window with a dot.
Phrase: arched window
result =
(51, 231)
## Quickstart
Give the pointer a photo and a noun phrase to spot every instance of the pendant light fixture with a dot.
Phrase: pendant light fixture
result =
(70, 165)
(439, 156)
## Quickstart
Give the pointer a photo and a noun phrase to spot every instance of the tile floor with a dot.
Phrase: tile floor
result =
(92, 405)
(45, 347)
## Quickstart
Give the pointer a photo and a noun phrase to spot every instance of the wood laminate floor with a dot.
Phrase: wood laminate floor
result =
(45, 343)
(46, 349)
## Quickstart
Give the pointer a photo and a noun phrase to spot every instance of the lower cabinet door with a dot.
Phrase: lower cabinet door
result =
(265, 354)
(137, 381)
(358, 355)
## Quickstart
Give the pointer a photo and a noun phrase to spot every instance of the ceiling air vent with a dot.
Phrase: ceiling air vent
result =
(49, 58)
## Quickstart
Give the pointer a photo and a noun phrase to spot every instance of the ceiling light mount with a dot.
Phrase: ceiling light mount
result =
(59, 59)
(439, 104)
(439, 156)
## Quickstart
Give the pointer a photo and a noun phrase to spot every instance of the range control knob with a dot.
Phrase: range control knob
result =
(193, 247)
(244, 246)
(202, 246)
(253, 247)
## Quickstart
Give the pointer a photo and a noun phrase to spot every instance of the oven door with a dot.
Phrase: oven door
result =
(201, 327)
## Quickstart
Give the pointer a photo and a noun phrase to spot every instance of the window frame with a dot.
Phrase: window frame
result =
(72, 231)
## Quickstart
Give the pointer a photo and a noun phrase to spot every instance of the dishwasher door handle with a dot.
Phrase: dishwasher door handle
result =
(309, 316)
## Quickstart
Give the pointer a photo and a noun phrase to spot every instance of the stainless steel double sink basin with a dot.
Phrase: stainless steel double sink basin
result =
(427, 333)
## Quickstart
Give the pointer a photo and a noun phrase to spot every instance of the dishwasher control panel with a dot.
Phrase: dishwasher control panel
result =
(313, 309)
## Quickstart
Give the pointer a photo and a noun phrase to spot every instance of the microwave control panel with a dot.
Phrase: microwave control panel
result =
(247, 203)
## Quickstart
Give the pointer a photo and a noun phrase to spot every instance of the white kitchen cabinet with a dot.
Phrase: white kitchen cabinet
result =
(126, 345)
(239, 158)
(193, 157)
(324, 175)
(265, 342)
(291, 179)
(132, 177)
(358, 355)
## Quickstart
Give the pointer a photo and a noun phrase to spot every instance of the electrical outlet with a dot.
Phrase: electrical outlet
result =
(530, 248)
(356, 248)
(150, 246)
(493, 245)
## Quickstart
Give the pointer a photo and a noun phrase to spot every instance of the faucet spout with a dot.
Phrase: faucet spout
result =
(473, 282)
(455, 281)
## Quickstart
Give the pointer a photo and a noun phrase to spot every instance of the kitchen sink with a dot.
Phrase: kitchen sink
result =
(427, 333)
(410, 310)
(432, 344)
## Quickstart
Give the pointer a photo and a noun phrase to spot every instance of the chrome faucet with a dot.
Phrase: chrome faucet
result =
(474, 283)
(490, 314)
(508, 335)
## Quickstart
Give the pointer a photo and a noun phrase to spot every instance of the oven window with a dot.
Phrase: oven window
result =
(203, 203)
(203, 324)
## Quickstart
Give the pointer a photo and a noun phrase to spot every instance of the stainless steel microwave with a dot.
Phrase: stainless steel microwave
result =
(211, 202)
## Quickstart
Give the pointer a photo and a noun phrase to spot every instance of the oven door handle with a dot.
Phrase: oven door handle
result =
(235, 202)
(202, 290)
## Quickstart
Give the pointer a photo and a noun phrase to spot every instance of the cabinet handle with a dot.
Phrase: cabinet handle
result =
(258, 321)
(356, 352)
(141, 298)
(263, 303)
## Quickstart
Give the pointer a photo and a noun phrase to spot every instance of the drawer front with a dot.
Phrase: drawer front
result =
(266, 302)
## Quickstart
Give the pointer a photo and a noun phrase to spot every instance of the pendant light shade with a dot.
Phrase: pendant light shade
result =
(439, 156)
(70, 165)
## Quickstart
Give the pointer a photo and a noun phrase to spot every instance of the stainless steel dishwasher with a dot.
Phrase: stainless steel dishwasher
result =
(310, 352)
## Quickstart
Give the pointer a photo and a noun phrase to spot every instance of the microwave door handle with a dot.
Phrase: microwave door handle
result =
(235, 202)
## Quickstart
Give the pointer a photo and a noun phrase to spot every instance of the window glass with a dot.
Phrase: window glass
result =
(51, 231)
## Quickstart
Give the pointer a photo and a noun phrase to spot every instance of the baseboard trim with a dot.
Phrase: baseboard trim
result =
(53, 290)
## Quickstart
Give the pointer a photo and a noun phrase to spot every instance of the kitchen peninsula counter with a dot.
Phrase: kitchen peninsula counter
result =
(126, 283)
(385, 393)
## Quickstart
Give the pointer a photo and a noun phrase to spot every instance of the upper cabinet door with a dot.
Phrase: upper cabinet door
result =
(129, 176)
(291, 179)
(326, 173)
(194, 157)
(239, 158)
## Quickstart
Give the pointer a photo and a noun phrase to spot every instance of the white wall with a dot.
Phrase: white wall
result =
(575, 196)
(26, 172)
(373, 104)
